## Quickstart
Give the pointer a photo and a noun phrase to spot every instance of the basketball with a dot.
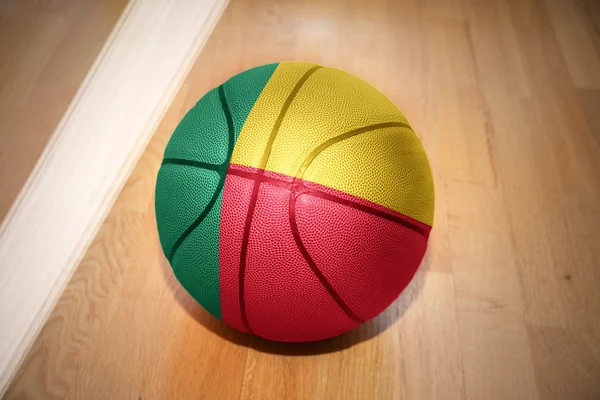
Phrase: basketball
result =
(294, 202)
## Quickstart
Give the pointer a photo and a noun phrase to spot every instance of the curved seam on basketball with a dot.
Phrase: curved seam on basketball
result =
(313, 192)
(311, 263)
(192, 163)
(294, 194)
(221, 169)
(293, 223)
(292, 208)
(255, 190)
(367, 209)
(333, 198)
(347, 135)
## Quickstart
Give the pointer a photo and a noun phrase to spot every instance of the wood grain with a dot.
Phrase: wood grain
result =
(590, 103)
(505, 305)
(89, 157)
(46, 50)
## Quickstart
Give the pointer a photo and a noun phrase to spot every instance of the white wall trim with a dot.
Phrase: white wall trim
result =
(89, 157)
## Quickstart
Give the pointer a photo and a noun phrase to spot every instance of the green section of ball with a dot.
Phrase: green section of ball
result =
(191, 180)
(202, 134)
(243, 89)
(182, 194)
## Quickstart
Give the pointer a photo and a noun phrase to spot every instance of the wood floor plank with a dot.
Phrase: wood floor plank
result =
(593, 8)
(460, 113)
(565, 368)
(489, 296)
(557, 160)
(590, 104)
(46, 50)
(578, 39)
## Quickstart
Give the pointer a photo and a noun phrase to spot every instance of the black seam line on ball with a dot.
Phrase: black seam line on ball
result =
(221, 169)
(302, 189)
(196, 164)
(255, 190)
(347, 135)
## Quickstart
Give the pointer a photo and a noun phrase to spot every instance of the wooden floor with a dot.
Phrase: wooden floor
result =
(46, 50)
(505, 96)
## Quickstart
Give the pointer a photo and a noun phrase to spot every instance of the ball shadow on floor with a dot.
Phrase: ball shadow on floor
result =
(364, 332)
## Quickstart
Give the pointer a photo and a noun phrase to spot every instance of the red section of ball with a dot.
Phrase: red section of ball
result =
(368, 260)
(236, 195)
(317, 262)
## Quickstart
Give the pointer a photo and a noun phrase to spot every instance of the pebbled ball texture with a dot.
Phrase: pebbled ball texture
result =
(294, 202)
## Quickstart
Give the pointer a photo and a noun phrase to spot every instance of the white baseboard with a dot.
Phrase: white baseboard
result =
(91, 153)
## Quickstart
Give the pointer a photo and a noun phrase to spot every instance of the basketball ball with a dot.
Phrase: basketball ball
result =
(294, 202)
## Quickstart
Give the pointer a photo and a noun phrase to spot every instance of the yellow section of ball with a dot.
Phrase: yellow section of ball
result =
(329, 127)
